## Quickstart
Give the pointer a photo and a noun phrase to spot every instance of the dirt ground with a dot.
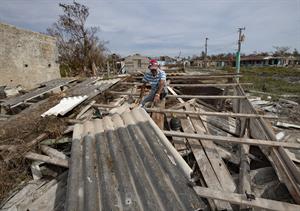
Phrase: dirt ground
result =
(19, 130)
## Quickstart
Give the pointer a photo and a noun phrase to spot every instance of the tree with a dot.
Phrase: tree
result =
(79, 47)
(296, 53)
(281, 50)
(202, 55)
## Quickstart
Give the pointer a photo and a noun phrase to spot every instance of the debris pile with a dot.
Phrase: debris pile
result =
(208, 146)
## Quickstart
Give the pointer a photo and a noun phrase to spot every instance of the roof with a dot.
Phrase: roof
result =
(65, 105)
(45, 88)
(120, 163)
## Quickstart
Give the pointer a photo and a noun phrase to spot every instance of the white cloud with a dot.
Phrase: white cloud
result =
(168, 26)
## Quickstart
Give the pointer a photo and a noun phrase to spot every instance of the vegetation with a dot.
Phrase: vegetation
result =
(275, 80)
(81, 52)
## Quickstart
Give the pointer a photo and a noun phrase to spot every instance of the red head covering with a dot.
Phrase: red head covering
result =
(153, 64)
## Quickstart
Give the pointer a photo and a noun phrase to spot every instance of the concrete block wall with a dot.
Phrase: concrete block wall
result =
(26, 58)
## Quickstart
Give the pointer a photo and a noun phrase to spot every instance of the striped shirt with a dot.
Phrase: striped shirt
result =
(154, 80)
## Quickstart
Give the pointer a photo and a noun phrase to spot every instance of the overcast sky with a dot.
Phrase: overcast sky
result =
(166, 27)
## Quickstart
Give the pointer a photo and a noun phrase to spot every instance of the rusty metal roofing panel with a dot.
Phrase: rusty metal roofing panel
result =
(120, 163)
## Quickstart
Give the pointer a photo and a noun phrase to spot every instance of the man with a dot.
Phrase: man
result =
(157, 79)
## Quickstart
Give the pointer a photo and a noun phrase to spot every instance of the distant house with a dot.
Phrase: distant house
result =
(166, 60)
(260, 61)
(136, 63)
(269, 61)
(201, 63)
(26, 58)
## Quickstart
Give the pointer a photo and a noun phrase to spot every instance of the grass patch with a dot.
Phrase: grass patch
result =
(273, 79)
(269, 84)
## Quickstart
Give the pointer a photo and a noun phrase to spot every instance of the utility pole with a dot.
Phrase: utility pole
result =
(238, 54)
(205, 56)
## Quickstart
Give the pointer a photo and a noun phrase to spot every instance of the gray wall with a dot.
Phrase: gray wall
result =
(132, 63)
(26, 58)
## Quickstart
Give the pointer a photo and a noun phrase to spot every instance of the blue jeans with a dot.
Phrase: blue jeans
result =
(151, 95)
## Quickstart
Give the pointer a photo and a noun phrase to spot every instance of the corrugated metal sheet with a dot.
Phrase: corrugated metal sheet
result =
(45, 88)
(120, 163)
(91, 87)
(65, 105)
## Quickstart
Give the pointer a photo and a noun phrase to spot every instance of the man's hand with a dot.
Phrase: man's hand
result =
(156, 98)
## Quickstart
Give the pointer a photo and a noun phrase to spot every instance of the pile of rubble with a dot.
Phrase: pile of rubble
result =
(90, 147)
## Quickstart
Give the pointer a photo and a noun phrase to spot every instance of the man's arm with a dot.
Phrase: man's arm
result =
(161, 86)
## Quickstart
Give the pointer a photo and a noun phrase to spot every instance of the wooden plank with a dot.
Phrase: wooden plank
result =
(223, 76)
(53, 152)
(37, 140)
(248, 141)
(221, 171)
(207, 96)
(187, 96)
(241, 199)
(244, 176)
(105, 105)
(87, 107)
(208, 174)
(223, 114)
(158, 118)
(46, 159)
(285, 168)
(193, 85)
(39, 195)
(175, 94)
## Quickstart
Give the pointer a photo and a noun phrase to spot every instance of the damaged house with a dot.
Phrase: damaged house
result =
(91, 147)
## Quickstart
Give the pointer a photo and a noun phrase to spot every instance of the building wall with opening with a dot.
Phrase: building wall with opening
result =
(26, 58)
(136, 63)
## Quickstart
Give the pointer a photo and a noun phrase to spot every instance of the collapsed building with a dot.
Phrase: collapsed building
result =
(91, 147)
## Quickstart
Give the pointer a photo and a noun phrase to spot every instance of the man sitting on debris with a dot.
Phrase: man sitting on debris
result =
(157, 79)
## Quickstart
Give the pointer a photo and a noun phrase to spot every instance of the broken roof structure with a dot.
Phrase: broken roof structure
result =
(204, 148)
(120, 163)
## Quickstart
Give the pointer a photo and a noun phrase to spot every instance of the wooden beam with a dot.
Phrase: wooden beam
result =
(53, 153)
(285, 168)
(175, 94)
(87, 107)
(230, 114)
(47, 159)
(158, 117)
(207, 96)
(255, 142)
(187, 96)
(205, 159)
(193, 85)
(105, 105)
(244, 171)
(218, 165)
(36, 140)
(209, 175)
(241, 199)
(199, 76)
